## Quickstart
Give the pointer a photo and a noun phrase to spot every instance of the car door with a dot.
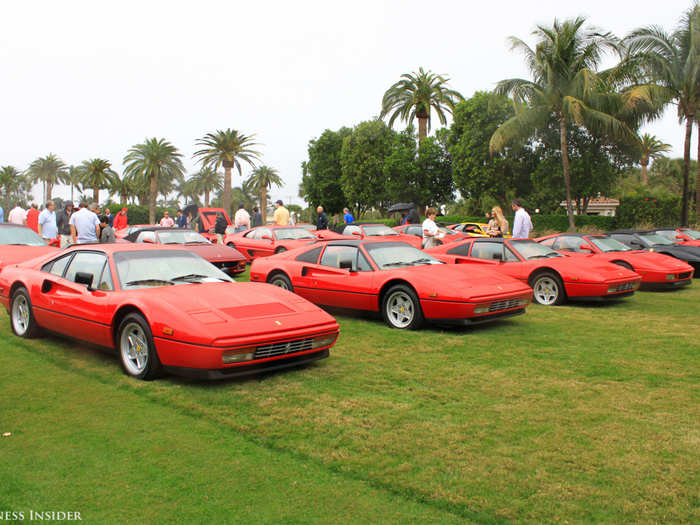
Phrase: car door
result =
(252, 245)
(499, 255)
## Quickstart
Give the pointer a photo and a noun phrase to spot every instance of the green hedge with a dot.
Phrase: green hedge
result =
(648, 210)
(139, 214)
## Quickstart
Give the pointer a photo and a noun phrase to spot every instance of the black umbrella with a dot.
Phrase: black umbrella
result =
(401, 206)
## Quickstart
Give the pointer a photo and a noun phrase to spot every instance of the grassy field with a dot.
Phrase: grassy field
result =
(576, 413)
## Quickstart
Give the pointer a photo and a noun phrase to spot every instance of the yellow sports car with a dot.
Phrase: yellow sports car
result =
(474, 229)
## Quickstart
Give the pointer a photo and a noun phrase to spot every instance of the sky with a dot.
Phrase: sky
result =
(85, 79)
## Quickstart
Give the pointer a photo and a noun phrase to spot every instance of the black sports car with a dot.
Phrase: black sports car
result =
(653, 241)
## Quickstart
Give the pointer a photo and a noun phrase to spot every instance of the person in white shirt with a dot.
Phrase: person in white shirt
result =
(241, 220)
(522, 224)
(84, 224)
(17, 215)
(431, 233)
(47, 222)
(167, 221)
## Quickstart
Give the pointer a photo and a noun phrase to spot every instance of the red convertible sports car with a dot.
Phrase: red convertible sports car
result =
(657, 270)
(553, 277)
(394, 278)
(225, 258)
(363, 231)
(262, 241)
(20, 243)
(164, 309)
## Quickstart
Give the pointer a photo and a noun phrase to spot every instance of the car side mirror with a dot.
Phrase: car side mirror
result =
(84, 278)
(585, 247)
(266, 237)
(679, 237)
(148, 241)
(347, 265)
(359, 234)
(497, 257)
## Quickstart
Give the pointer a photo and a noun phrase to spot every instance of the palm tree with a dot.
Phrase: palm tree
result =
(12, 184)
(206, 181)
(156, 161)
(565, 88)
(98, 175)
(260, 181)
(48, 170)
(415, 96)
(672, 62)
(72, 178)
(650, 148)
(227, 148)
(187, 188)
(123, 187)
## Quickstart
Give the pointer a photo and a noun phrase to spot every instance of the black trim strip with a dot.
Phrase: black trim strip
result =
(336, 291)
(266, 342)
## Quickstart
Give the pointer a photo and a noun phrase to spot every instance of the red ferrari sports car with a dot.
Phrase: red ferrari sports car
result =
(164, 309)
(262, 241)
(553, 277)
(394, 278)
(417, 231)
(225, 258)
(680, 235)
(20, 243)
(364, 231)
(657, 270)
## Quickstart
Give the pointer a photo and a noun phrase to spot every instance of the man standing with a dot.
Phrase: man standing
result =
(347, 216)
(17, 215)
(220, 227)
(257, 217)
(63, 224)
(241, 220)
(181, 219)
(47, 222)
(33, 217)
(522, 224)
(108, 214)
(281, 215)
(166, 221)
(322, 220)
(2, 214)
(107, 232)
(84, 224)
(120, 221)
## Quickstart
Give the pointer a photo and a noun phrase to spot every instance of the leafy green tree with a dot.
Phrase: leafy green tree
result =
(123, 187)
(672, 63)
(320, 184)
(416, 95)
(565, 87)
(207, 181)
(158, 162)
(187, 188)
(14, 187)
(650, 148)
(362, 160)
(48, 170)
(98, 175)
(228, 149)
(260, 182)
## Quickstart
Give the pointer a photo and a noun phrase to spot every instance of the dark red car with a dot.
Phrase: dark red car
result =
(553, 277)
(403, 283)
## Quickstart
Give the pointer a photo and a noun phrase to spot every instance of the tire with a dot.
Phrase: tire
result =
(281, 280)
(547, 289)
(281, 249)
(21, 315)
(136, 348)
(624, 264)
(231, 245)
(401, 308)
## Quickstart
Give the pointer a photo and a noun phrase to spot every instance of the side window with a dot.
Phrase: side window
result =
(350, 229)
(57, 266)
(487, 250)
(311, 256)
(146, 235)
(264, 232)
(510, 256)
(459, 250)
(549, 242)
(106, 282)
(414, 230)
(340, 257)
(88, 262)
(252, 234)
(623, 238)
(362, 263)
(568, 244)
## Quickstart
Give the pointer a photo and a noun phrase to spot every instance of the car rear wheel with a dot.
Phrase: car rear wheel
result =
(281, 280)
(547, 289)
(231, 245)
(22, 317)
(137, 350)
(401, 308)
(281, 249)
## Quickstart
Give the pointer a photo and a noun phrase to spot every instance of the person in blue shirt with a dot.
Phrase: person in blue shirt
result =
(2, 214)
(347, 216)
(181, 219)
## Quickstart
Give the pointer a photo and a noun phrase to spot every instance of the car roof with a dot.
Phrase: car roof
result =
(12, 225)
(631, 232)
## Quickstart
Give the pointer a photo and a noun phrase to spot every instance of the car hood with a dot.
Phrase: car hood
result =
(214, 252)
(14, 254)
(656, 261)
(681, 250)
(588, 270)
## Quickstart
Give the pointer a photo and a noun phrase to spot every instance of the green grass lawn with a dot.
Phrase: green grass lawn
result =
(575, 413)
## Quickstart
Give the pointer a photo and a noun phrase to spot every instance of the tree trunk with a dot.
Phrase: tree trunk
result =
(227, 187)
(96, 194)
(152, 200)
(49, 190)
(567, 179)
(686, 169)
(206, 199)
(422, 128)
(645, 163)
(697, 180)
(263, 204)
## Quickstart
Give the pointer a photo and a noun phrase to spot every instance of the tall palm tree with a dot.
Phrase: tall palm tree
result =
(12, 184)
(672, 62)
(227, 148)
(415, 96)
(566, 88)
(122, 187)
(72, 178)
(207, 181)
(98, 175)
(260, 181)
(48, 170)
(156, 161)
(650, 148)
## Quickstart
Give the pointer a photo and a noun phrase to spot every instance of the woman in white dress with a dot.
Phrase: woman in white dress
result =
(431, 233)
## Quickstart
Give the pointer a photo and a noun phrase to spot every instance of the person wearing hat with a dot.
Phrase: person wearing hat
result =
(241, 219)
(63, 223)
(120, 221)
(281, 215)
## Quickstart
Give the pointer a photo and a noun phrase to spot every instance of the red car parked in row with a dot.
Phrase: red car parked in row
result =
(20, 243)
(680, 235)
(417, 231)
(262, 241)
(553, 277)
(657, 270)
(374, 231)
(394, 278)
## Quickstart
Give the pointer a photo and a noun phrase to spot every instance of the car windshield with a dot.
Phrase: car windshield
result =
(693, 234)
(308, 227)
(388, 255)
(654, 238)
(181, 237)
(286, 234)
(671, 235)
(447, 231)
(608, 244)
(151, 268)
(379, 230)
(17, 235)
(531, 250)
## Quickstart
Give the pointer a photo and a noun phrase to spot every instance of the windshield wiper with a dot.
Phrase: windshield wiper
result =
(196, 242)
(189, 277)
(396, 264)
(148, 281)
(422, 260)
(540, 256)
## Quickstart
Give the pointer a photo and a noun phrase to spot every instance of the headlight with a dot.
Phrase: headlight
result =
(237, 356)
(324, 340)
(481, 309)
(670, 276)
(612, 289)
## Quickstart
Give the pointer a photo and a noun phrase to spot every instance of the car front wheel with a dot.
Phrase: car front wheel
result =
(22, 317)
(547, 289)
(137, 350)
(281, 280)
(401, 308)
